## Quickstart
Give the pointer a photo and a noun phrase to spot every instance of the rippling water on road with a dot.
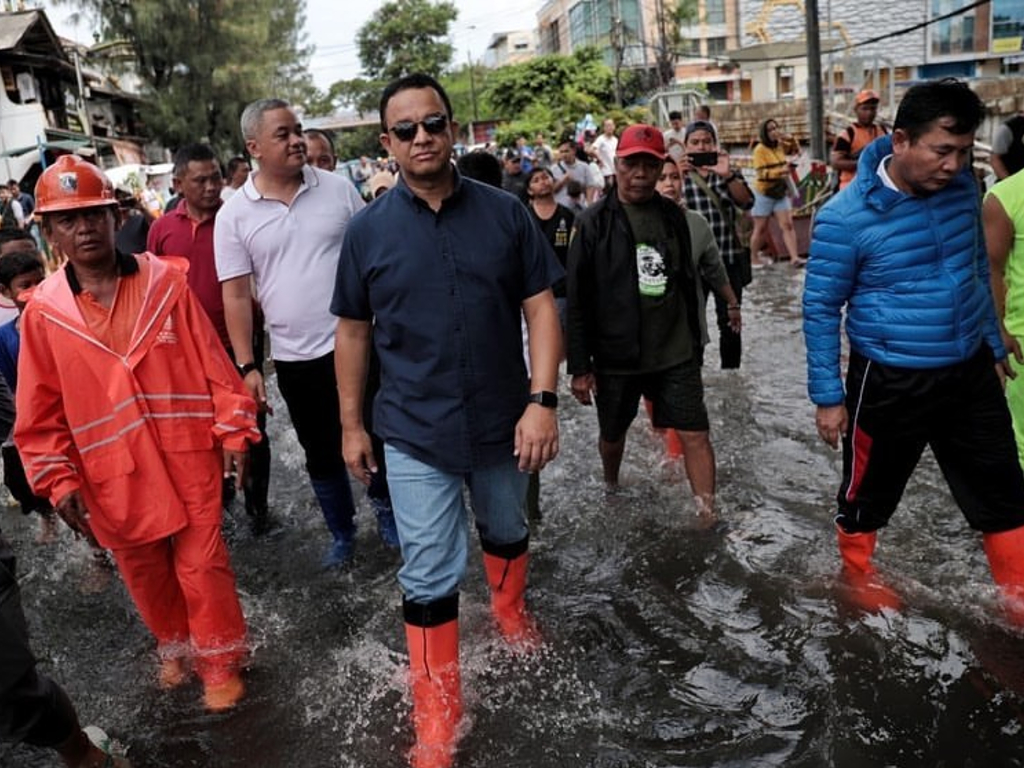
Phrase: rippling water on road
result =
(667, 645)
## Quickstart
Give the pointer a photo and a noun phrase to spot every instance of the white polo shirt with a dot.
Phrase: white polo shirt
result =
(292, 253)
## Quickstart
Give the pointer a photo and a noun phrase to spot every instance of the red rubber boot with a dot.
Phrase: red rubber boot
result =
(673, 444)
(866, 590)
(507, 580)
(1005, 553)
(436, 693)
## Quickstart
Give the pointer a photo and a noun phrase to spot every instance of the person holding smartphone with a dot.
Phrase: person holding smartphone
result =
(712, 187)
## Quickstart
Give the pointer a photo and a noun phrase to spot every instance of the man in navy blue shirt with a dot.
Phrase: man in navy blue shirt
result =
(438, 272)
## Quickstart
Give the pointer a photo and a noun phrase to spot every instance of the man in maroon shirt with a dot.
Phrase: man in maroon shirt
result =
(187, 231)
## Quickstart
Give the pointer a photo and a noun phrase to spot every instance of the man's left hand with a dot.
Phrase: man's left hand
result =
(536, 440)
(723, 167)
(237, 462)
(1004, 370)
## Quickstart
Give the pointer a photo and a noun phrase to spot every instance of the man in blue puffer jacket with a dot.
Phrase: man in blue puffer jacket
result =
(902, 249)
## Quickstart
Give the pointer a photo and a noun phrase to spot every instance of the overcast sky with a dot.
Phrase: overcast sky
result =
(331, 26)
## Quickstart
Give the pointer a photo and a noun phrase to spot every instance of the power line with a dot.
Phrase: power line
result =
(870, 40)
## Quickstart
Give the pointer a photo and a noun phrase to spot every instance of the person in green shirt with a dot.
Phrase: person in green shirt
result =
(632, 325)
(1003, 217)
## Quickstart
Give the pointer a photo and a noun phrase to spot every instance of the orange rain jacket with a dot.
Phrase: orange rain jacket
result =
(121, 429)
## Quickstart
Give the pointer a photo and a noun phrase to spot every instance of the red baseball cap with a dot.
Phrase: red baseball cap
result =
(639, 139)
(865, 96)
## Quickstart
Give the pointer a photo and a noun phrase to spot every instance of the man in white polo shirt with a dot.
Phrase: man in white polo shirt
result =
(283, 231)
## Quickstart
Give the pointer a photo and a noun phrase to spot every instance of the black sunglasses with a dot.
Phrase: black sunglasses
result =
(406, 130)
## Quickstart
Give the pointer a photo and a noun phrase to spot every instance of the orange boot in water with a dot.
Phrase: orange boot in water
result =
(222, 689)
(506, 576)
(435, 683)
(866, 590)
(673, 444)
(1005, 553)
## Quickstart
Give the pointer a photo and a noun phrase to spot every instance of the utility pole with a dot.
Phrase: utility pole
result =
(618, 44)
(815, 97)
(472, 92)
(472, 84)
(664, 56)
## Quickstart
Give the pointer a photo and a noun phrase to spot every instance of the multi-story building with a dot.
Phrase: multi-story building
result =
(624, 29)
(720, 49)
(511, 48)
(50, 101)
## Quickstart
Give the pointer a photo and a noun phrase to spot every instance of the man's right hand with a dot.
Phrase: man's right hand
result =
(72, 510)
(583, 387)
(357, 451)
(832, 422)
(258, 389)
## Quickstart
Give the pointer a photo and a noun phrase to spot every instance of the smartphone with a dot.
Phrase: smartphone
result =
(703, 159)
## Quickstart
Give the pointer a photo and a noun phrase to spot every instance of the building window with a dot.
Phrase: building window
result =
(591, 21)
(784, 82)
(716, 47)
(954, 35)
(714, 11)
(552, 42)
(690, 47)
(1007, 26)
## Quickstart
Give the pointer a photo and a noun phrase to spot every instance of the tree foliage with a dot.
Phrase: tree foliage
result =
(364, 140)
(201, 61)
(406, 36)
(401, 37)
(566, 87)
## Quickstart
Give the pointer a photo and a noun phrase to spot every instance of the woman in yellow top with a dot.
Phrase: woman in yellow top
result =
(771, 189)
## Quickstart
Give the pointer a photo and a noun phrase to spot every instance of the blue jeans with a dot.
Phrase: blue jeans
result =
(432, 522)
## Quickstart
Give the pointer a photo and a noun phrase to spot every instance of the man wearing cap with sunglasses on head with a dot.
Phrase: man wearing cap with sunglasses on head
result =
(632, 327)
(856, 136)
(436, 275)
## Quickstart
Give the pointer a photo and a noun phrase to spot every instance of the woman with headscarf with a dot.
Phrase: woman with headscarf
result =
(771, 189)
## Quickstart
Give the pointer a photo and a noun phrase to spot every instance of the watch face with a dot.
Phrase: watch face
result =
(546, 399)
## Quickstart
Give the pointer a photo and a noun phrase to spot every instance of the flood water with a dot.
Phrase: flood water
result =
(666, 645)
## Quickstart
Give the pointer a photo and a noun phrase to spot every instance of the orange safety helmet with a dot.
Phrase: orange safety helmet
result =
(71, 183)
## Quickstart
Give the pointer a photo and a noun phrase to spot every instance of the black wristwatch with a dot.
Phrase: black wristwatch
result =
(246, 368)
(544, 398)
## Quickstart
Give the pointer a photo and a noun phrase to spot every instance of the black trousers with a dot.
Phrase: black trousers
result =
(958, 410)
(310, 390)
(33, 708)
(730, 345)
(257, 482)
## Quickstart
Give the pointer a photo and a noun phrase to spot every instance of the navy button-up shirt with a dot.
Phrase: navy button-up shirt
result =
(445, 292)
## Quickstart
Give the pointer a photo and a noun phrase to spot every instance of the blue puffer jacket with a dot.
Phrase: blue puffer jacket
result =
(912, 272)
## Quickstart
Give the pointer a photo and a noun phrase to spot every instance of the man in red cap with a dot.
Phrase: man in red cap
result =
(128, 411)
(857, 135)
(632, 325)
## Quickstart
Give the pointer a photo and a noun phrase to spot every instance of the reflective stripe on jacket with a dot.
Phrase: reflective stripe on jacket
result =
(93, 420)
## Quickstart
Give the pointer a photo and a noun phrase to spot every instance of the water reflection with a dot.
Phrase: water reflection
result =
(666, 645)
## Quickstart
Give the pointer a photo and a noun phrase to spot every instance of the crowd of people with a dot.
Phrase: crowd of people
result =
(417, 339)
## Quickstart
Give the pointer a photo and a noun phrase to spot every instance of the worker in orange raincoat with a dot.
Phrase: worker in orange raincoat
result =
(125, 399)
